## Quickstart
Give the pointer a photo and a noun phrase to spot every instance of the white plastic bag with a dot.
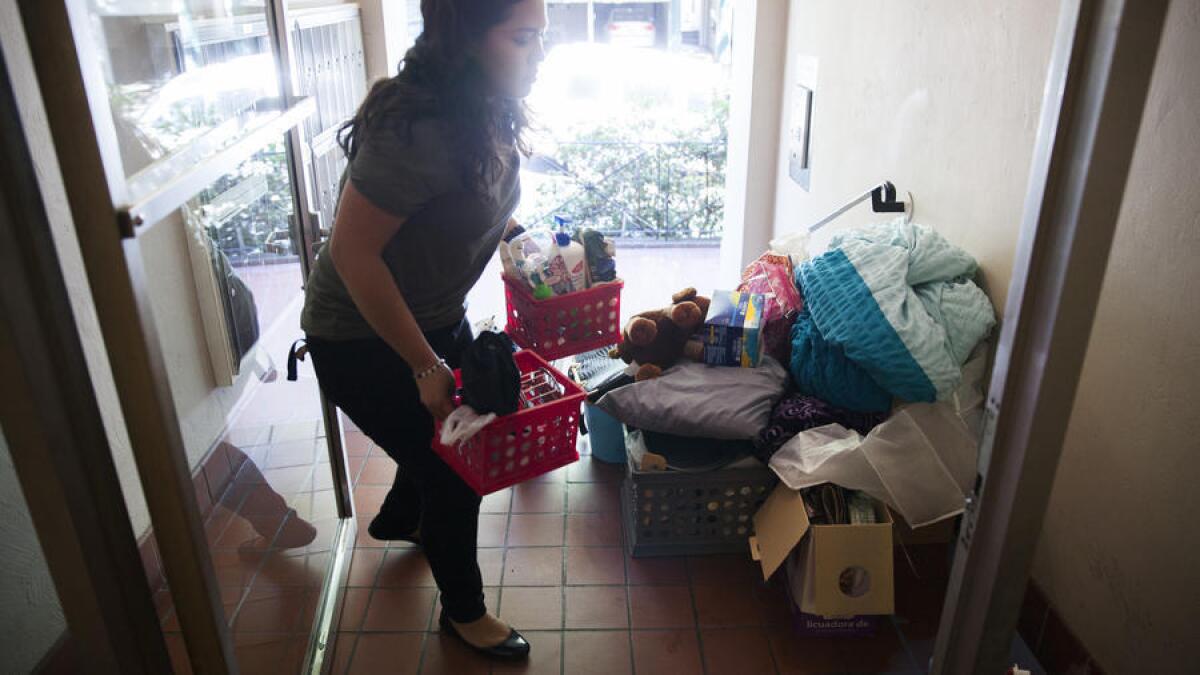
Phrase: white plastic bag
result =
(462, 424)
(921, 461)
(794, 245)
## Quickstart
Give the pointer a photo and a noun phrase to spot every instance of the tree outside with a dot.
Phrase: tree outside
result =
(631, 142)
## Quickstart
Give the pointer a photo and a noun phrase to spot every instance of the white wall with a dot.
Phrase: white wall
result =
(201, 405)
(385, 36)
(1120, 547)
(939, 96)
(31, 619)
(942, 97)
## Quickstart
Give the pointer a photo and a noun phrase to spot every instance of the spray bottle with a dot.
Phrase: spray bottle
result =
(574, 260)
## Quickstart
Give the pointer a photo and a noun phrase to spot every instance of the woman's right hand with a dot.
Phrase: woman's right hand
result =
(437, 392)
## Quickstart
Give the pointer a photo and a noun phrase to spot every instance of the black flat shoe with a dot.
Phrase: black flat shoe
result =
(513, 648)
(385, 527)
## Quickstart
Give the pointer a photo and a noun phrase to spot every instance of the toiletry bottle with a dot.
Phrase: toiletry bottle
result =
(555, 274)
(600, 252)
(534, 271)
(506, 258)
(573, 258)
(524, 244)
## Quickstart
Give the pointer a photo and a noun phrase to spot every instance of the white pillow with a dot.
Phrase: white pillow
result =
(693, 399)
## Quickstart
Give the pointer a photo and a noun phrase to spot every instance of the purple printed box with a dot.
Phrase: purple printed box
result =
(811, 625)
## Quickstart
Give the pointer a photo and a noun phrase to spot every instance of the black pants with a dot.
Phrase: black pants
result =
(369, 381)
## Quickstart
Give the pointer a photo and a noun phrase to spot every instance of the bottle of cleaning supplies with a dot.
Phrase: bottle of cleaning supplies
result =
(522, 245)
(540, 290)
(599, 252)
(560, 269)
(506, 259)
(573, 257)
(506, 262)
(531, 266)
(555, 274)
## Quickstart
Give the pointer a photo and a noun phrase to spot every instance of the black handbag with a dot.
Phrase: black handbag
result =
(491, 381)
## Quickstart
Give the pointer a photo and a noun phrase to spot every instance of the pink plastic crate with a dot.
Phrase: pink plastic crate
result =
(520, 446)
(564, 324)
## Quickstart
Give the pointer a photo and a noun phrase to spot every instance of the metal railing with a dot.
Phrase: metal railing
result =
(633, 189)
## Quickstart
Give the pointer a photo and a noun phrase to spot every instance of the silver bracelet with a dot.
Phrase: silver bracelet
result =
(441, 363)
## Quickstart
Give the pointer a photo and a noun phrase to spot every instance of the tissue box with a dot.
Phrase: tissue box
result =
(733, 331)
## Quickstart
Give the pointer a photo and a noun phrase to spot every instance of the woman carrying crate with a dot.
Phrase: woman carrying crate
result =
(430, 190)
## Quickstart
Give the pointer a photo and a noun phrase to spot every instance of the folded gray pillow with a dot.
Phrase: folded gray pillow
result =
(692, 399)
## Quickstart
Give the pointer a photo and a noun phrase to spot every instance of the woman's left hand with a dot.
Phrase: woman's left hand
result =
(437, 392)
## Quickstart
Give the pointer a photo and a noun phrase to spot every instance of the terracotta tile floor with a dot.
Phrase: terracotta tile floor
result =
(271, 531)
(553, 566)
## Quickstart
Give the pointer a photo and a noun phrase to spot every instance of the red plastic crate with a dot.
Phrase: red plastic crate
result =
(564, 324)
(517, 447)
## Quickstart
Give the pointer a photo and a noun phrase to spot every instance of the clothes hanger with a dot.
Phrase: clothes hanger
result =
(883, 200)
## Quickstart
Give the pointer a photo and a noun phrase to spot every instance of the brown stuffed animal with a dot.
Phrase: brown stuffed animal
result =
(658, 338)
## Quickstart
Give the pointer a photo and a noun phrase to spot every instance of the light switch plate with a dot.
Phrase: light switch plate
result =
(800, 117)
(799, 134)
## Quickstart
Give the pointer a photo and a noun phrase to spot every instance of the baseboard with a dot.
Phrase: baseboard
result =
(1056, 647)
(61, 659)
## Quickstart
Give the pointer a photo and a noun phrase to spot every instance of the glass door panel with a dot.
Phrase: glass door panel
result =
(183, 74)
(223, 276)
(200, 129)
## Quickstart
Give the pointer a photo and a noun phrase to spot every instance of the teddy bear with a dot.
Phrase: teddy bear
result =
(658, 338)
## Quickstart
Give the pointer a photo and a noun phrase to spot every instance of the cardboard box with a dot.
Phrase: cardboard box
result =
(733, 330)
(833, 570)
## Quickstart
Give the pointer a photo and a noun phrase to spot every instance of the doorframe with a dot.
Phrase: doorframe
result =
(306, 230)
(759, 44)
(1095, 95)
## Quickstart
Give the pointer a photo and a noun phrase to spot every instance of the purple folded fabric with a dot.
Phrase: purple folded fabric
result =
(797, 412)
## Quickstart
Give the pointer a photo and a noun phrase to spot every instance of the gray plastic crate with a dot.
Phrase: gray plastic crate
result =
(692, 513)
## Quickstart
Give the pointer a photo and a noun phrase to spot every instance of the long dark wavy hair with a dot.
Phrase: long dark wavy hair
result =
(440, 78)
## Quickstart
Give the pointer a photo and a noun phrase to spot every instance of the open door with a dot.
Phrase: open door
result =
(195, 175)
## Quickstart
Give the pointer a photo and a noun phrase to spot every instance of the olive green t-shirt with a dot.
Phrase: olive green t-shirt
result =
(448, 236)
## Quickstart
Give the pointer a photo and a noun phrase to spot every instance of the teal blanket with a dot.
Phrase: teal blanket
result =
(894, 302)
